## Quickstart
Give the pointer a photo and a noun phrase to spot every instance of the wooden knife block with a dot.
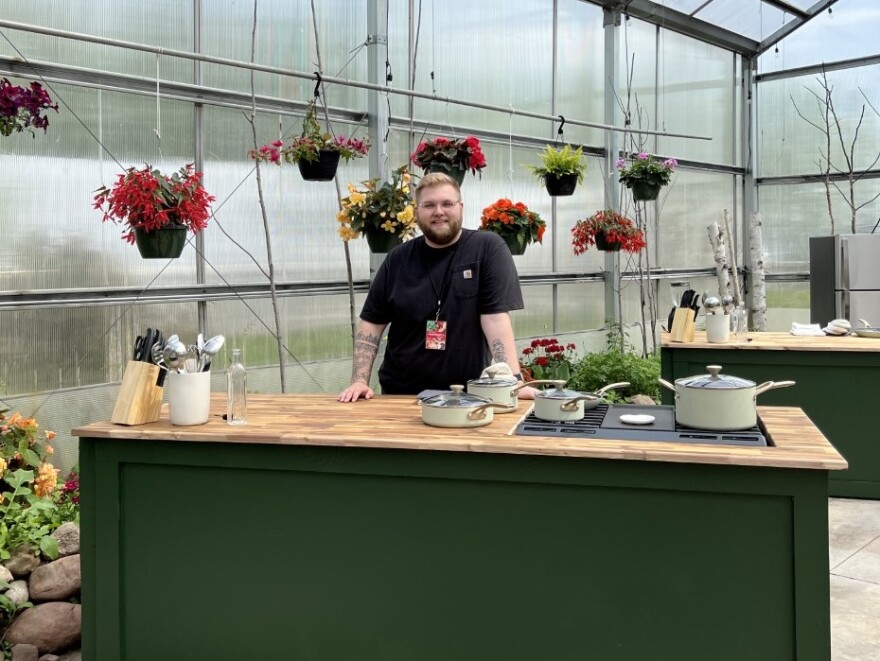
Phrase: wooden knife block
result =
(139, 400)
(683, 326)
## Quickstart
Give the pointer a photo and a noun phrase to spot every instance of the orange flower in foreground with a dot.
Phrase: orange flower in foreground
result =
(47, 478)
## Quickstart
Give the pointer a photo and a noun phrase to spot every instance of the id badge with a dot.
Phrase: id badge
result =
(435, 335)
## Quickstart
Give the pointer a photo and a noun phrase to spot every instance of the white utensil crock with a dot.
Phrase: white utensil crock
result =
(717, 327)
(189, 397)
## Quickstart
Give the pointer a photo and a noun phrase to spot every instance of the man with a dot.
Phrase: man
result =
(447, 296)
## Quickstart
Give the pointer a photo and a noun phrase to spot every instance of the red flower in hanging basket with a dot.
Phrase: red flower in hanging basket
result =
(23, 107)
(616, 227)
(149, 200)
(445, 155)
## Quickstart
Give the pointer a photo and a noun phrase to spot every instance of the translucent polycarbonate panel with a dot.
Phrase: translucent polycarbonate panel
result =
(849, 31)
(57, 348)
(697, 96)
(754, 19)
(793, 213)
(684, 6)
(161, 23)
(464, 55)
(53, 238)
(792, 145)
(635, 88)
(787, 302)
(580, 306)
(315, 328)
(588, 198)
(301, 215)
(580, 76)
(691, 202)
(286, 38)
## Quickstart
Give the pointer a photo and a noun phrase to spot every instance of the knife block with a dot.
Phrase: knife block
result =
(683, 326)
(139, 400)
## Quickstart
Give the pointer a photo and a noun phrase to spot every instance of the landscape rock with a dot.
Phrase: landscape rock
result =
(643, 400)
(52, 627)
(23, 560)
(75, 655)
(56, 580)
(49, 657)
(5, 574)
(67, 536)
(25, 652)
(18, 592)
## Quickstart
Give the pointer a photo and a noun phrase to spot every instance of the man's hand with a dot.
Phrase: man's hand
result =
(355, 391)
(526, 392)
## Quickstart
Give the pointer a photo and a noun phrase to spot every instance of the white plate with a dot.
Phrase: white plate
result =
(637, 419)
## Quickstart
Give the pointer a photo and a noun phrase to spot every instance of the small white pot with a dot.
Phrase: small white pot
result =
(718, 403)
(459, 409)
(561, 405)
(496, 387)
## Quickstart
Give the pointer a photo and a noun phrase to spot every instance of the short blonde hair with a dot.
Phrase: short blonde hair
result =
(434, 179)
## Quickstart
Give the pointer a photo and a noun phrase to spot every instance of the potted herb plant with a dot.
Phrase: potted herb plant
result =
(607, 230)
(23, 107)
(561, 170)
(514, 223)
(316, 154)
(156, 210)
(384, 214)
(450, 156)
(644, 175)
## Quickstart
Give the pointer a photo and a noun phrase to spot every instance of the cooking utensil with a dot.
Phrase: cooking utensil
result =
(867, 330)
(560, 405)
(210, 348)
(174, 354)
(496, 387)
(456, 408)
(718, 402)
(143, 344)
(727, 302)
(711, 303)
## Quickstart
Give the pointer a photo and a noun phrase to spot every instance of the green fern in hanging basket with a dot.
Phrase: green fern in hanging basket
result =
(556, 163)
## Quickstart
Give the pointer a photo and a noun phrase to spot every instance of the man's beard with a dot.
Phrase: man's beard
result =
(441, 234)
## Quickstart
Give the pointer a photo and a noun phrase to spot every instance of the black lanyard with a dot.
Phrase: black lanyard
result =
(444, 284)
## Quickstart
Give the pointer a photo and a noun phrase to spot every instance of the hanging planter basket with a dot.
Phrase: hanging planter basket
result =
(455, 173)
(321, 169)
(645, 192)
(561, 185)
(382, 241)
(603, 243)
(512, 241)
(163, 243)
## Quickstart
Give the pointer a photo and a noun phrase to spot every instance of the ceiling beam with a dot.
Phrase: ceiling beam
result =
(677, 21)
(793, 25)
(789, 8)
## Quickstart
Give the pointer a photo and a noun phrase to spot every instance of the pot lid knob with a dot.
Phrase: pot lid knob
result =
(456, 389)
(714, 370)
(558, 384)
(491, 372)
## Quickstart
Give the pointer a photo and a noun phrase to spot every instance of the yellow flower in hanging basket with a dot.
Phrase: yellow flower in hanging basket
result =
(378, 208)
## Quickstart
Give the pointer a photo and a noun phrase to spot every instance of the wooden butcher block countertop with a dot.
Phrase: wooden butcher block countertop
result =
(779, 342)
(395, 422)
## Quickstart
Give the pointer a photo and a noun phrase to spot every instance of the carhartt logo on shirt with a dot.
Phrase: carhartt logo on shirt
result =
(467, 275)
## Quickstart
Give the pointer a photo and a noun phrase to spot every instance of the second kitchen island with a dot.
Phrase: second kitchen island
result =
(329, 531)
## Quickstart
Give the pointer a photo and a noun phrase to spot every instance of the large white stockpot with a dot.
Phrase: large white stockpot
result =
(718, 402)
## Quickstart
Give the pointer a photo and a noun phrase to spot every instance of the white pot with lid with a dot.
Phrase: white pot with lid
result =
(718, 402)
(456, 408)
(560, 405)
(497, 386)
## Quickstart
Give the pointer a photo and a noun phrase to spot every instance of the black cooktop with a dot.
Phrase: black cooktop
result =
(604, 422)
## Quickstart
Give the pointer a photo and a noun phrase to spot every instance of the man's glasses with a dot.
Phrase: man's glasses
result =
(446, 205)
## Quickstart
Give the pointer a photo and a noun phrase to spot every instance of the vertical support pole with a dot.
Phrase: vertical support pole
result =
(749, 157)
(613, 142)
(377, 102)
(554, 219)
(199, 157)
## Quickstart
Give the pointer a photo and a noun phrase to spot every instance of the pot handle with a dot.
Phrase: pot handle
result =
(479, 412)
(772, 385)
(545, 382)
(666, 384)
(571, 404)
(611, 386)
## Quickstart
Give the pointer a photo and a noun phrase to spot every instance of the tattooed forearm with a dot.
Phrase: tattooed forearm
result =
(499, 355)
(366, 345)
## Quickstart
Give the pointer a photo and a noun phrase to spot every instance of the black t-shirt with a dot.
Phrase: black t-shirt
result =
(482, 280)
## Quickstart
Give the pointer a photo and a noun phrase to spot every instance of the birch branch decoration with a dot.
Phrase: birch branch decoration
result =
(731, 256)
(756, 271)
(716, 238)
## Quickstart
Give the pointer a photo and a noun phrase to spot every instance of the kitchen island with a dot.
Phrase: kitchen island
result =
(329, 531)
(836, 386)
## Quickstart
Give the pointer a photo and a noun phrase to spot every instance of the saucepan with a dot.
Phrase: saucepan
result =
(560, 405)
(455, 408)
(718, 402)
(867, 330)
(497, 387)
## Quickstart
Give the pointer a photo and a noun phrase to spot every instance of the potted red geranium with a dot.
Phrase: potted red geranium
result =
(607, 230)
(450, 156)
(156, 210)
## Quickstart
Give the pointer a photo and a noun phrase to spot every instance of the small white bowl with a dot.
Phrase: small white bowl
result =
(637, 419)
